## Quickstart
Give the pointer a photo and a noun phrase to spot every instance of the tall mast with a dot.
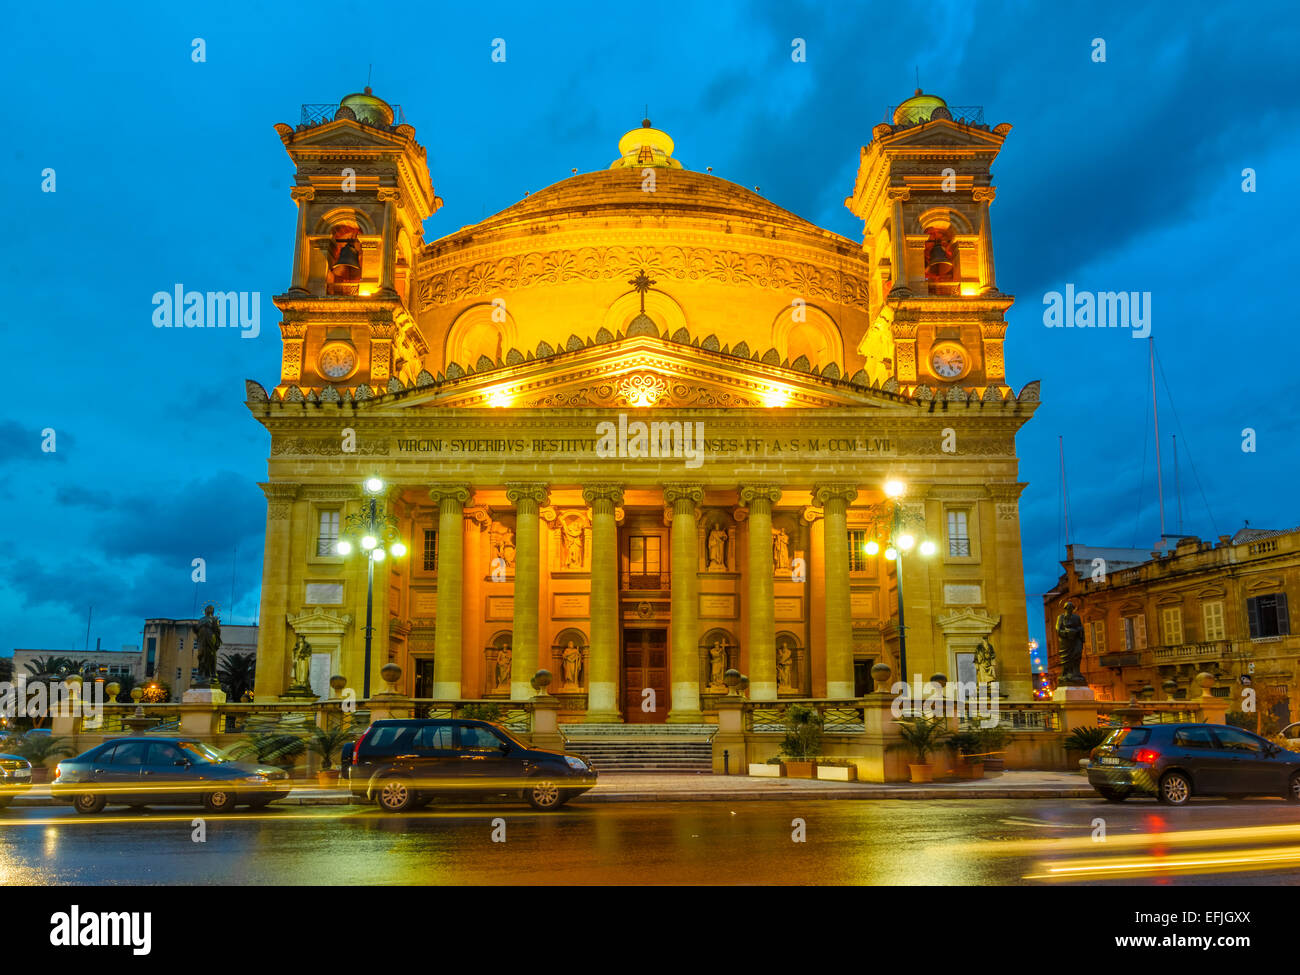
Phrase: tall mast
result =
(1065, 489)
(1178, 486)
(1155, 412)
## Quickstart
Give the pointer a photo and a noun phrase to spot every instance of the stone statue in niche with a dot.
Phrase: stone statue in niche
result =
(717, 547)
(503, 668)
(571, 666)
(302, 662)
(780, 548)
(785, 667)
(503, 545)
(571, 543)
(717, 665)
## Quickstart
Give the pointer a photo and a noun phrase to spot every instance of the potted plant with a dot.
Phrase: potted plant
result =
(489, 711)
(1083, 739)
(992, 744)
(803, 740)
(922, 735)
(970, 760)
(278, 748)
(837, 769)
(325, 742)
(771, 769)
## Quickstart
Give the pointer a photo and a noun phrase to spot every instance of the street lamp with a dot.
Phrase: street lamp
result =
(376, 532)
(899, 540)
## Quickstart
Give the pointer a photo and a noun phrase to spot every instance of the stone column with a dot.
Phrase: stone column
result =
(277, 559)
(835, 499)
(898, 243)
(302, 195)
(526, 498)
(391, 199)
(603, 656)
(983, 195)
(450, 499)
(684, 649)
(759, 498)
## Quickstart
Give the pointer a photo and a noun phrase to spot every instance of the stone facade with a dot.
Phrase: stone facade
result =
(635, 431)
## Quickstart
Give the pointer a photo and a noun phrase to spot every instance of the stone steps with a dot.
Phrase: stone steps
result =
(623, 756)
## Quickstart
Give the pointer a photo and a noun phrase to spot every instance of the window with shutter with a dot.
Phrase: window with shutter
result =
(1140, 627)
(1213, 616)
(1172, 623)
(1099, 636)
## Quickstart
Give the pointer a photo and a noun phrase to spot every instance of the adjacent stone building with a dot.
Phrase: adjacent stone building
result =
(637, 428)
(1153, 620)
(170, 650)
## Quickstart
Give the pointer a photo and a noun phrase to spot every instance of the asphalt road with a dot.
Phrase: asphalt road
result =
(893, 842)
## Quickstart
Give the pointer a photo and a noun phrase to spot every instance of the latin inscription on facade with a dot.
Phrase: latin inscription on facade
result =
(717, 606)
(324, 594)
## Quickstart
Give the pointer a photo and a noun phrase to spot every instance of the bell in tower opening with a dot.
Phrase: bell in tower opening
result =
(345, 261)
(940, 255)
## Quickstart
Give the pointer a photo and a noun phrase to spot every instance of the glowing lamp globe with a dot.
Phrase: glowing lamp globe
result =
(891, 553)
(895, 489)
(927, 547)
(398, 549)
(905, 542)
(873, 547)
(368, 542)
(343, 547)
(378, 555)
(374, 485)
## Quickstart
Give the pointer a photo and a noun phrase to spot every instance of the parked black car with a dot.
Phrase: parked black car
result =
(1173, 762)
(405, 764)
(169, 771)
(15, 777)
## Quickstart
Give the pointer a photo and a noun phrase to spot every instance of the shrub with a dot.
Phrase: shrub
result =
(1085, 739)
(803, 733)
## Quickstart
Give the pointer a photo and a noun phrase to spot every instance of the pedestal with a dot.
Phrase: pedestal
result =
(546, 726)
(201, 719)
(730, 737)
(1073, 692)
(204, 695)
(385, 706)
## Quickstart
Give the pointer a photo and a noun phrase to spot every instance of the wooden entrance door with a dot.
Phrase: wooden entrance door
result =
(645, 665)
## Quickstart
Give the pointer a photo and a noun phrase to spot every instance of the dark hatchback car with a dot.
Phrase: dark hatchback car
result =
(1174, 762)
(405, 764)
(15, 777)
(164, 771)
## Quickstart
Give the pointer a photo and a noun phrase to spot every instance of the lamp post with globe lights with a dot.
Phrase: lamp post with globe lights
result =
(376, 535)
(898, 539)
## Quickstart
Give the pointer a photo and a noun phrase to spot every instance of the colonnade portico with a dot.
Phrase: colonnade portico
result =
(611, 606)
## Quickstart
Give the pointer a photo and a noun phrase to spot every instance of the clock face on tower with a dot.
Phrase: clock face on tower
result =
(948, 360)
(337, 360)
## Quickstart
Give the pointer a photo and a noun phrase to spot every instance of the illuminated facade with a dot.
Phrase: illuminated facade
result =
(635, 429)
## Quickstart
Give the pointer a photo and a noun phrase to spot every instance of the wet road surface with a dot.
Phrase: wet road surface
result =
(889, 842)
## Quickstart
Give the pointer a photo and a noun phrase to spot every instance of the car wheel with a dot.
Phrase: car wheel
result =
(1111, 794)
(1175, 789)
(395, 795)
(89, 803)
(544, 794)
(219, 801)
(1293, 790)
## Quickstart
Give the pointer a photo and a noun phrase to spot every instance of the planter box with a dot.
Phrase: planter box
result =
(922, 773)
(800, 770)
(969, 770)
(765, 771)
(838, 773)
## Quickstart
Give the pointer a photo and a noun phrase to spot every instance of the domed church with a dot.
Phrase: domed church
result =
(644, 440)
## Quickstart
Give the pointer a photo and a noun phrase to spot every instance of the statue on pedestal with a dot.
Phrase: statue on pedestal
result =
(1069, 636)
(717, 665)
(717, 550)
(208, 634)
(780, 548)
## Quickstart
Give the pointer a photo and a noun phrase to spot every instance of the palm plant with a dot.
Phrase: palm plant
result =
(325, 742)
(1085, 739)
(37, 749)
(922, 735)
(803, 733)
(236, 673)
(50, 666)
(276, 748)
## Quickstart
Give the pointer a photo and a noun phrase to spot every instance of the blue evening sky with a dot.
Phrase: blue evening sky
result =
(1123, 175)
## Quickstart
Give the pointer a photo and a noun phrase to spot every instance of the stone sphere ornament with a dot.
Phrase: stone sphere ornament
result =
(881, 673)
(541, 681)
(391, 673)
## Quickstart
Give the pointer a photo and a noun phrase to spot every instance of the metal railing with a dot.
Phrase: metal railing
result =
(838, 717)
(318, 113)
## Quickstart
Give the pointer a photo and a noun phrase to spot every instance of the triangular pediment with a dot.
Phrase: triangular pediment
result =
(941, 132)
(636, 372)
(342, 133)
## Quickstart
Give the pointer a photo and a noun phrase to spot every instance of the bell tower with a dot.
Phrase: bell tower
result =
(923, 191)
(363, 190)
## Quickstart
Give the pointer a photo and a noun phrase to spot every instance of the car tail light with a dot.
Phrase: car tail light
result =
(1146, 756)
(356, 749)
(58, 771)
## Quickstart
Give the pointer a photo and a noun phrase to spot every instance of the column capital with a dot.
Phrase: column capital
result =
(603, 492)
(751, 493)
(898, 194)
(450, 492)
(527, 494)
(387, 194)
(825, 494)
(683, 497)
(983, 194)
(300, 193)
